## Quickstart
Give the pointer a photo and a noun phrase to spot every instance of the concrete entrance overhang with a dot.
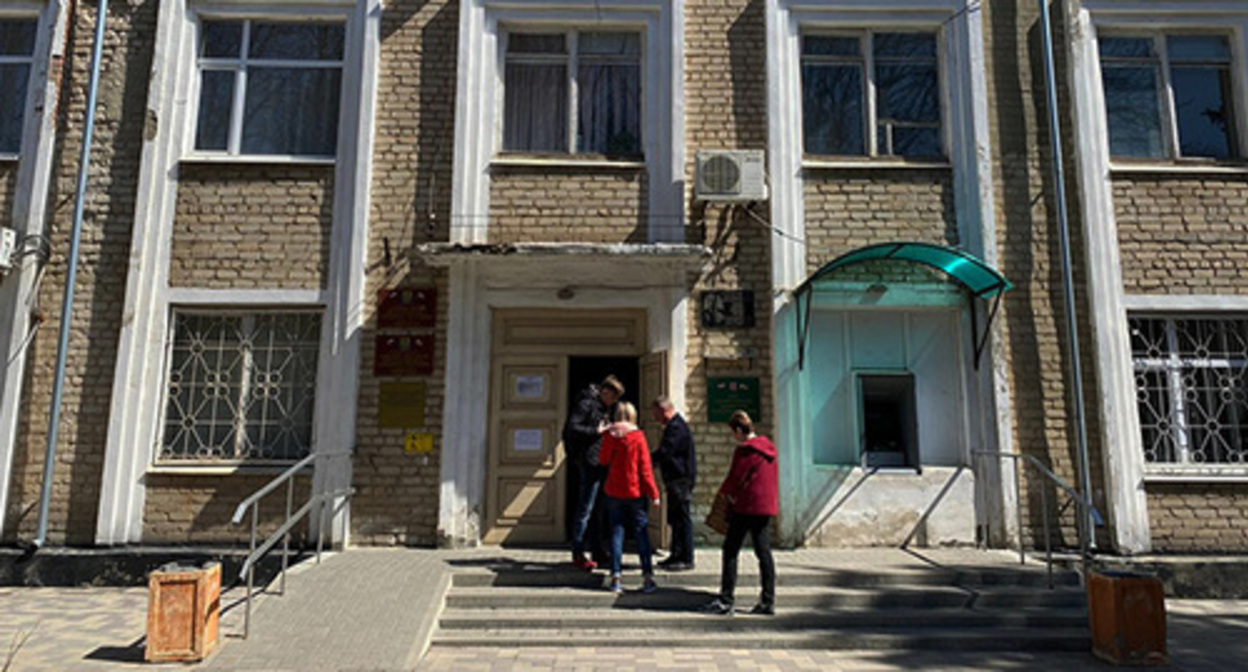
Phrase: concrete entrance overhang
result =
(482, 278)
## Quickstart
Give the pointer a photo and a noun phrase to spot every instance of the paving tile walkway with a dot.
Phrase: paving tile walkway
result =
(372, 609)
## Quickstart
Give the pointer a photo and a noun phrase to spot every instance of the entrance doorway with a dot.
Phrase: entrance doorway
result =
(540, 361)
(583, 372)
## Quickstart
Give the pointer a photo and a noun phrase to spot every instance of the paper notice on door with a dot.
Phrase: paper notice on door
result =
(527, 440)
(530, 387)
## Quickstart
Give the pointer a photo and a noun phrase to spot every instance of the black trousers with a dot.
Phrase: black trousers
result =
(679, 503)
(759, 529)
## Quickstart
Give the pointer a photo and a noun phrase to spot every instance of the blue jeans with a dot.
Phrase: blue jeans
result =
(590, 482)
(631, 512)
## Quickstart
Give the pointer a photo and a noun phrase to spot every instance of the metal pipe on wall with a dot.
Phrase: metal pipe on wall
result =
(67, 303)
(1087, 538)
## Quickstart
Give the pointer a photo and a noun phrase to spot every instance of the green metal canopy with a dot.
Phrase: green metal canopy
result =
(979, 279)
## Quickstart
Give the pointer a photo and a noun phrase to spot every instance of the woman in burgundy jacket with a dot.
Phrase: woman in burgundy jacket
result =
(753, 487)
(630, 489)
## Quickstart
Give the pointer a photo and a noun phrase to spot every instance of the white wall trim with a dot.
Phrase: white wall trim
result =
(29, 216)
(477, 288)
(1186, 303)
(478, 104)
(138, 396)
(1120, 432)
(338, 372)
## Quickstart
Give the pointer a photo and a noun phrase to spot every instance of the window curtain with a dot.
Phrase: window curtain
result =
(535, 115)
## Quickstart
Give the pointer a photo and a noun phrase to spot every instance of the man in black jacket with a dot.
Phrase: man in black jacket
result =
(582, 439)
(676, 459)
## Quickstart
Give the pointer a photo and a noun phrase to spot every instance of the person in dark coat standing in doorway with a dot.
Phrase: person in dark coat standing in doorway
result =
(582, 439)
(753, 488)
(679, 466)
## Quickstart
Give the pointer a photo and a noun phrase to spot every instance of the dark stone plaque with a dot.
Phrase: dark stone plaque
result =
(403, 355)
(407, 307)
(728, 308)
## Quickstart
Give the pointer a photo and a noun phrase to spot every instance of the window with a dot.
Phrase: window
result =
(874, 94)
(241, 386)
(1169, 96)
(17, 53)
(269, 88)
(1191, 388)
(889, 422)
(573, 92)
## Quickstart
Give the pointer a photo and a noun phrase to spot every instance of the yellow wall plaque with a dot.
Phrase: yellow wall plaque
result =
(418, 443)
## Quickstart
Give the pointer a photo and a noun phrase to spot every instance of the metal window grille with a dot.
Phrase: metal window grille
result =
(240, 386)
(1191, 389)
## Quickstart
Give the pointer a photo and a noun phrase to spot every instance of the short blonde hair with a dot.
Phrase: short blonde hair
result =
(626, 412)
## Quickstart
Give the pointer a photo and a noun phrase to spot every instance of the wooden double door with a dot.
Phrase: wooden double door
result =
(526, 479)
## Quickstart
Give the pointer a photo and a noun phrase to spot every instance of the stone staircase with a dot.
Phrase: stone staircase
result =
(901, 604)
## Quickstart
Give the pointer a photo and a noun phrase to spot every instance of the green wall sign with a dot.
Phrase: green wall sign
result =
(724, 396)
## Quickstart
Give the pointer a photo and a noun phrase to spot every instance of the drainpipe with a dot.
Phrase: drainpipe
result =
(67, 303)
(1086, 539)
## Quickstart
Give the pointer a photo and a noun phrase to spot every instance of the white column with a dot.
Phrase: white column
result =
(1120, 438)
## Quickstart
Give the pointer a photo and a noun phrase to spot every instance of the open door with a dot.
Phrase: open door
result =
(653, 384)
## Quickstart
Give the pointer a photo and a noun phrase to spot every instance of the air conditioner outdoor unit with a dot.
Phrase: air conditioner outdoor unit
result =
(730, 175)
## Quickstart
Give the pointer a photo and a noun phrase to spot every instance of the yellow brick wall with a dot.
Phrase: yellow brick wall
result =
(251, 227)
(8, 187)
(1198, 517)
(184, 509)
(1033, 313)
(1183, 235)
(100, 287)
(568, 205)
(726, 108)
(848, 209)
(396, 500)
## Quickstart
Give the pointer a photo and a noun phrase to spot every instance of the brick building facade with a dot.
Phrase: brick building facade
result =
(403, 234)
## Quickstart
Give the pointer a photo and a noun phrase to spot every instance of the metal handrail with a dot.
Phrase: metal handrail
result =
(1088, 510)
(255, 553)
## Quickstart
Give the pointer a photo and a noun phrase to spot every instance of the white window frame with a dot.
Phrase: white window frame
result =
(479, 104)
(571, 59)
(866, 42)
(1165, 93)
(311, 11)
(239, 421)
(31, 61)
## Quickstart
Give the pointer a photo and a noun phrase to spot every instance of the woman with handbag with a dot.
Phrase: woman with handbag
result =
(630, 489)
(752, 494)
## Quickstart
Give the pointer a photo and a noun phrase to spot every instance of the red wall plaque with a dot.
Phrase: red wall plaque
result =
(403, 355)
(407, 307)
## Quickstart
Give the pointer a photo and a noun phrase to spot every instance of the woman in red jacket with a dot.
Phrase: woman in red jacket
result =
(753, 487)
(630, 488)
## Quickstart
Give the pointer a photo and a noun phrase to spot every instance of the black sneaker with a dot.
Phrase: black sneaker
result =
(677, 566)
(764, 610)
(719, 607)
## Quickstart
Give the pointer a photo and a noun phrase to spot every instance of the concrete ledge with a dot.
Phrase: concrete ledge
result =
(121, 566)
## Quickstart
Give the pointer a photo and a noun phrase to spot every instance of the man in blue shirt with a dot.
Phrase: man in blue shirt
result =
(676, 460)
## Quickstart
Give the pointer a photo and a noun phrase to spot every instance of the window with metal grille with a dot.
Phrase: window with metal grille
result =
(269, 88)
(874, 94)
(1169, 96)
(1191, 389)
(17, 54)
(241, 386)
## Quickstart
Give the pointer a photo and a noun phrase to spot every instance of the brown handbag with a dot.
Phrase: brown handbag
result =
(717, 519)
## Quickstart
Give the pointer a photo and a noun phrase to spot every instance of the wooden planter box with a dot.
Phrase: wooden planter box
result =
(1127, 614)
(183, 613)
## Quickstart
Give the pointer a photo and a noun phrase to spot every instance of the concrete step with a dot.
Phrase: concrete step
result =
(677, 598)
(541, 575)
(787, 620)
(928, 639)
